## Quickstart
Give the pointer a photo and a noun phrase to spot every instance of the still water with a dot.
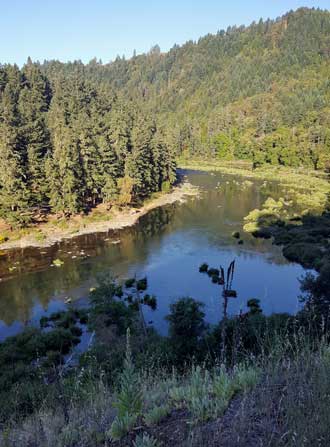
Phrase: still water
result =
(167, 246)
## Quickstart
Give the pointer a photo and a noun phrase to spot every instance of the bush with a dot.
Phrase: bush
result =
(150, 301)
(246, 378)
(203, 268)
(213, 272)
(129, 397)
(156, 415)
(304, 253)
(166, 186)
(129, 282)
(145, 441)
(142, 284)
(121, 426)
(186, 325)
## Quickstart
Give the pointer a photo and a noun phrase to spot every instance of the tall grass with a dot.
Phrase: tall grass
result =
(280, 398)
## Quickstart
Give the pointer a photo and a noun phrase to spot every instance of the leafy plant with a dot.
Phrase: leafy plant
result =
(246, 378)
(203, 268)
(129, 398)
(156, 414)
(145, 441)
(121, 426)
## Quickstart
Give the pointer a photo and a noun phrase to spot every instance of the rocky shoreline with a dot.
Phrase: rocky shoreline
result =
(119, 219)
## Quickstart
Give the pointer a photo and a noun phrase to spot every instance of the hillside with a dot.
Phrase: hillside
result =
(73, 136)
(259, 92)
(83, 144)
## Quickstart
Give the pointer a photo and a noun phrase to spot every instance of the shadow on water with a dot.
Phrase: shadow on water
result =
(167, 245)
(306, 241)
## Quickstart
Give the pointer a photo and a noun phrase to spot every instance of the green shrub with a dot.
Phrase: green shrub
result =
(129, 282)
(156, 415)
(254, 306)
(213, 272)
(246, 378)
(166, 186)
(150, 301)
(129, 397)
(121, 426)
(215, 279)
(119, 291)
(222, 386)
(145, 441)
(178, 395)
(186, 325)
(142, 284)
(76, 331)
(304, 253)
(203, 268)
(53, 358)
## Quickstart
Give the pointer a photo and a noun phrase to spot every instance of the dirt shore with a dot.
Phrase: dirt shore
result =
(46, 235)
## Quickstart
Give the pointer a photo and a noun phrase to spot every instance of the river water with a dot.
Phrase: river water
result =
(167, 245)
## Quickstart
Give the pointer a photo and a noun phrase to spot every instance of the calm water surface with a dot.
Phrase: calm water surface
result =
(167, 245)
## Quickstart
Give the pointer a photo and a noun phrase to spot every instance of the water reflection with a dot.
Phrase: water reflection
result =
(168, 245)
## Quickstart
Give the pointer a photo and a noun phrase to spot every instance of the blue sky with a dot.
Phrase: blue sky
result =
(83, 29)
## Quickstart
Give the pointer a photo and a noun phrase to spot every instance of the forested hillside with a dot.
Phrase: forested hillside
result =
(75, 135)
(259, 92)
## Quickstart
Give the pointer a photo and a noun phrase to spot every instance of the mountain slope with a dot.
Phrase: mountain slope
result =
(259, 92)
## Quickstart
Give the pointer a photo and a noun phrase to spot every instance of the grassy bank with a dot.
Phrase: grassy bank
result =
(299, 178)
(250, 380)
(279, 402)
(299, 221)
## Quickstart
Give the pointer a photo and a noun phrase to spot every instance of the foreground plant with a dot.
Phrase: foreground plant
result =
(129, 397)
(145, 441)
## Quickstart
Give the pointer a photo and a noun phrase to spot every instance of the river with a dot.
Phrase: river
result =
(167, 245)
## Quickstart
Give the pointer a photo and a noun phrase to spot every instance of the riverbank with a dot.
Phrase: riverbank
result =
(298, 221)
(297, 177)
(181, 389)
(100, 220)
(307, 189)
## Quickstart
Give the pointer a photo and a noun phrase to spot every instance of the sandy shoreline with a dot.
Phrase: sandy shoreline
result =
(119, 219)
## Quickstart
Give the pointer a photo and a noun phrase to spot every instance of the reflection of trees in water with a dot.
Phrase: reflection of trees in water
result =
(219, 213)
(223, 210)
(18, 295)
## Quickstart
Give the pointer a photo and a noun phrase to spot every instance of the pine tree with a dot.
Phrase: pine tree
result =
(139, 162)
(33, 105)
(63, 165)
(14, 195)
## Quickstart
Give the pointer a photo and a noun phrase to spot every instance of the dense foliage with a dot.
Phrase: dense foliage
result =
(259, 92)
(68, 144)
(75, 135)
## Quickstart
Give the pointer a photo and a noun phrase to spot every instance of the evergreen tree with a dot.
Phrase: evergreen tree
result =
(139, 162)
(33, 105)
(14, 194)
